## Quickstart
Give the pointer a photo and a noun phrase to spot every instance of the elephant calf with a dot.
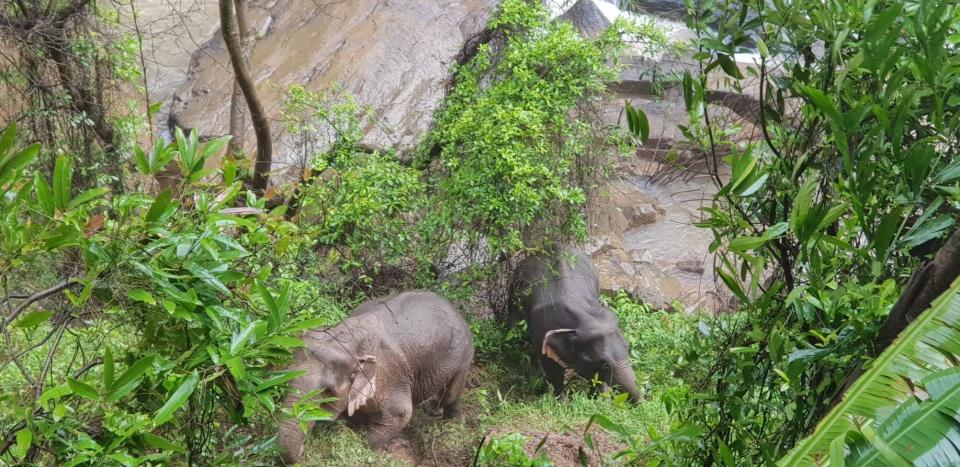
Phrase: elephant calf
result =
(390, 354)
(567, 324)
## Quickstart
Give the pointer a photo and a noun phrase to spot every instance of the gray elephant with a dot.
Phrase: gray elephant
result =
(567, 324)
(389, 355)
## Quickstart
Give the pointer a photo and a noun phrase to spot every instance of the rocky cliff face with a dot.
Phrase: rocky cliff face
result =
(396, 56)
(393, 55)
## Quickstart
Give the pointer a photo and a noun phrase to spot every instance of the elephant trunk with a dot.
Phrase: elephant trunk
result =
(624, 377)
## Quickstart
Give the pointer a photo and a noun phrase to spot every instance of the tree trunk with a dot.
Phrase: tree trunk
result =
(237, 105)
(261, 126)
(927, 283)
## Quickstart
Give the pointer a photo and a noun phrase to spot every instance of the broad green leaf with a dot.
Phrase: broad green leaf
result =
(733, 285)
(155, 108)
(950, 173)
(62, 176)
(725, 454)
(176, 400)
(44, 196)
(638, 123)
(752, 184)
(776, 230)
(207, 277)
(747, 243)
(7, 139)
(141, 295)
(281, 378)
(923, 232)
(83, 389)
(87, 196)
(107, 369)
(53, 393)
(24, 440)
(837, 451)
(276, 314)
(237, 368)
(240, 340)
(286, 342)
(687, 90)
(606, 424)
(762, 47)
(801, 206)
(34, 319)
(9, 168)
(143, 165)
(155, 441)
(729, 66)
(823, 103)
(159, 206)
(229, 172)
(130, 379)
(831, 216)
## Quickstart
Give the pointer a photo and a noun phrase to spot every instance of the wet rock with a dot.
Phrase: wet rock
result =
(394, 56)
(626, 208)
(601, 244)
(694, 266)
(586, 16)
(642, 280)
(640, 209)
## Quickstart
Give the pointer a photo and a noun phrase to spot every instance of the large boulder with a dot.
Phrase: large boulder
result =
(633, 273)
(625, 208)
(395, 56)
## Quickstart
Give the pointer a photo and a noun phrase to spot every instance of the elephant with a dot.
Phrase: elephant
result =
(569, 328)
(388, 356)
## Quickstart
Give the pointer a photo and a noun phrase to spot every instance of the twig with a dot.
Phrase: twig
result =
(35, 297)
(38, 387)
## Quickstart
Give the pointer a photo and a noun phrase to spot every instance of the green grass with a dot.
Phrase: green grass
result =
(507, 393)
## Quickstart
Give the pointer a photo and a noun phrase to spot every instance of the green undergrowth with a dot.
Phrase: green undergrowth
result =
(508, 394)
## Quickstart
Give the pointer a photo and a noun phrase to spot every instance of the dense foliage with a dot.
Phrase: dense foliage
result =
(882, 420)
(73, 79)
(820, 220)
(148, 323)
(516, 137)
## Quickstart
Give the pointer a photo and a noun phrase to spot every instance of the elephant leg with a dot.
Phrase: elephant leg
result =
(291, 437)
(452, 394)
(395, 413)
(555, 375)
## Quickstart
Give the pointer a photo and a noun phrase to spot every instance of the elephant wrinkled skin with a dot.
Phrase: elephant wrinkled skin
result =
(389, 355)
(567, 324)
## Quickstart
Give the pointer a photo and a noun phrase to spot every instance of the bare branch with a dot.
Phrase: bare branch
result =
(36, 297)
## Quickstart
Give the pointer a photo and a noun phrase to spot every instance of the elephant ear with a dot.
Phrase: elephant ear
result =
(364, 384)
(549, 344)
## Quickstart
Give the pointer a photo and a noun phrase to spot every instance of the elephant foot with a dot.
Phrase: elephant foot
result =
(402, 450)
(433, 410)
(451, 412)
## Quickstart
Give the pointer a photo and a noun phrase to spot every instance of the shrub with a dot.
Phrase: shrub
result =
(513, 143)
(170, 326)
(508, 450)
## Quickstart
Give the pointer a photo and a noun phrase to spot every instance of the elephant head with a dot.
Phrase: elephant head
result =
(331, 371)
(595, 348)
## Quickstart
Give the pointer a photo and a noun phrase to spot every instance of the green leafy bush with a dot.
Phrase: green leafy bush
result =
(514, 142)
(823, 218)
(508, 450)
(181, 283)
